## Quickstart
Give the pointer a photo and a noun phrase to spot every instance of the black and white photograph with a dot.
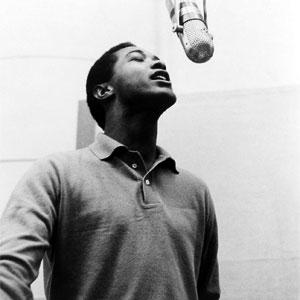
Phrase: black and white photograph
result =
(149, 150)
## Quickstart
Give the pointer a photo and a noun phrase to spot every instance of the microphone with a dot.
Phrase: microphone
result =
(191, 28)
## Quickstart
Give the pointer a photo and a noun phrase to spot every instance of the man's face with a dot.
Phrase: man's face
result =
(141, 81)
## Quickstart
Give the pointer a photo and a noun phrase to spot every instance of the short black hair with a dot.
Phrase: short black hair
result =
(101, 72)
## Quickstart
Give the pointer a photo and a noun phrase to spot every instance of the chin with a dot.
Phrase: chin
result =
(163, 100)
(168, 96)
(155, 100)
(172, 98)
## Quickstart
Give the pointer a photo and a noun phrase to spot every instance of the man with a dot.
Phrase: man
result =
(118, 219)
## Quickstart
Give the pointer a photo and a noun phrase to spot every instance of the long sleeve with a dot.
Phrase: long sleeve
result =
(208, 281)
(26, 228)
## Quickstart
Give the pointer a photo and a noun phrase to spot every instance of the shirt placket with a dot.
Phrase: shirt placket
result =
(149, 195)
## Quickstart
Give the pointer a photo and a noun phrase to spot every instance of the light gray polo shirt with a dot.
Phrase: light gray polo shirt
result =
(109, 229)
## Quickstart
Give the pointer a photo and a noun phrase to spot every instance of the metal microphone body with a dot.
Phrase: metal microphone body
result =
(191, 29)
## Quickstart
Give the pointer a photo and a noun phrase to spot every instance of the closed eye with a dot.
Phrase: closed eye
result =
(136, 57)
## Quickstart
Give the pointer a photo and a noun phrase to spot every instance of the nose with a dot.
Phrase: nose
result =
(158, 64)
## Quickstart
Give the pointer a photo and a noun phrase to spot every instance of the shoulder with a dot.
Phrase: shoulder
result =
(64, 159)
(59, 163)
(192, 180)
(196, 187)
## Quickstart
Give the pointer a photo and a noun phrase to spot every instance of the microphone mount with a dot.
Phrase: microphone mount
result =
(177, 27)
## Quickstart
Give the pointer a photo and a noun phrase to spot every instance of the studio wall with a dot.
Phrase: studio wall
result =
(246, 146)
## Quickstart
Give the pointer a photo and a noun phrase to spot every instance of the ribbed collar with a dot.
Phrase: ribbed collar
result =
(105, 147)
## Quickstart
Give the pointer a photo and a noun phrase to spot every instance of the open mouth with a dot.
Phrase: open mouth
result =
(160, 75)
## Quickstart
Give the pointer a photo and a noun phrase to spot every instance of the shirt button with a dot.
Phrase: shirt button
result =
(134, 166)
(147, 181)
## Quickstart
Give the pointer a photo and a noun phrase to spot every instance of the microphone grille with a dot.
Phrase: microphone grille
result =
(198, 41)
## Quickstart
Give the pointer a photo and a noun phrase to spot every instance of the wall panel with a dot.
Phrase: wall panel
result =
(246, 146)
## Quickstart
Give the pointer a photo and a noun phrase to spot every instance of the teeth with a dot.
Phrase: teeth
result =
(161, 77)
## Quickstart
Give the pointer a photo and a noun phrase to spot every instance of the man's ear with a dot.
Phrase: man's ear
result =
(103, 91)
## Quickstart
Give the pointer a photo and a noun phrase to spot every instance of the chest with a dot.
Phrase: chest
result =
(117, 203)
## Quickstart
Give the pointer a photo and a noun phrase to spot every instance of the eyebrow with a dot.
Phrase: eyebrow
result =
(142, 53)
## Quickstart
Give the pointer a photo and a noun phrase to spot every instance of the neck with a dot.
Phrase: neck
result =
(138, 132)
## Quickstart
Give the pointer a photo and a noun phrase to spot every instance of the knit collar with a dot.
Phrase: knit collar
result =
(105, 147)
